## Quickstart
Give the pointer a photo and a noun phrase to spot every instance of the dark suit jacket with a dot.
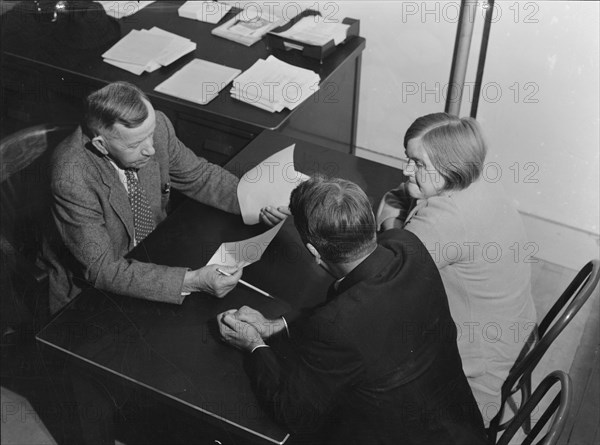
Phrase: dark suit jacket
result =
(94, 222)
(378, 362)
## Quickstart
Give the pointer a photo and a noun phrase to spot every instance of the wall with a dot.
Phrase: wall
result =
(539, 103)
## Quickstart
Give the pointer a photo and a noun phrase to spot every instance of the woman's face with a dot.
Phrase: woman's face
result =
(424, 181)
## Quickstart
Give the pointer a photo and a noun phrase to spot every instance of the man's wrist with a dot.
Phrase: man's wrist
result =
(255, 343)
(188, 282)
(193, 282)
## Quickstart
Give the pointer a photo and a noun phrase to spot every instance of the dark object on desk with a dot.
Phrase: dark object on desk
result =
(89, 22)
(25, 199)
(59, 32)
(542, 337)
(277, 42)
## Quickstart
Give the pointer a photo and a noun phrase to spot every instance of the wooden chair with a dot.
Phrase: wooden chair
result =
(557, 318)
(25, 214)
(559, 405)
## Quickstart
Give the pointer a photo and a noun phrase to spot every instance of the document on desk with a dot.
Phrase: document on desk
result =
(244, 252)
(200, 81)
(120, 9)
(250, 25)
(204, 11)
(272, 85)
(147, 50)
(316, 30)
(270, 183)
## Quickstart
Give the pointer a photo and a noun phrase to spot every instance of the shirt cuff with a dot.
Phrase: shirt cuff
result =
(286, 326)
(259, 346)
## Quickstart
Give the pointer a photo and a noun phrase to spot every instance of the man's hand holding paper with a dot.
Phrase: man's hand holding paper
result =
(271, 216)
(264, 191)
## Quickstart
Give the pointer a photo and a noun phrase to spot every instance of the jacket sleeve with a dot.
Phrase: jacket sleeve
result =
(302, 392)
(396, 203)
(194, 176)
(79, 217)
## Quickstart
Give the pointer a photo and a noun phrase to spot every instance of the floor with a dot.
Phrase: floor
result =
(577, 350)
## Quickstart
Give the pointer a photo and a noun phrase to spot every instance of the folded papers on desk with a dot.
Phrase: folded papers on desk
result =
(273, 85)
(199, 81)
(316, 30)
(204, 11)
(147, 50)
(249, 26)
(123, 9)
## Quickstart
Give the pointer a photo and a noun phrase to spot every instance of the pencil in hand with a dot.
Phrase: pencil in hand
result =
(248, 285)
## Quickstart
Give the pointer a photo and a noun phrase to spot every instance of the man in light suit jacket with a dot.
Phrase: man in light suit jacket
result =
(91, 207)
(377, 363)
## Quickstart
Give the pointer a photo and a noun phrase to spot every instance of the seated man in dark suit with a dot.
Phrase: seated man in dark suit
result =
(111, 182)
(378, 361)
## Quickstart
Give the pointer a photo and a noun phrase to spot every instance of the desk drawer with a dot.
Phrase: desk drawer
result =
(214, 141)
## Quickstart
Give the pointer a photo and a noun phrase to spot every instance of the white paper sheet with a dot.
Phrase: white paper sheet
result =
(245, 252)
(138, 47)
(268, 184)
(199, 81)
(120, 9)
(273, 85)
(316, 30)
(204, 11)
(147, 50)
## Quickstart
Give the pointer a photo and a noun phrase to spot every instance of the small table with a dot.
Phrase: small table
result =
(175, 351)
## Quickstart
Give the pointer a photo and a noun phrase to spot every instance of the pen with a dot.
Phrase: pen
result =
(248, 285)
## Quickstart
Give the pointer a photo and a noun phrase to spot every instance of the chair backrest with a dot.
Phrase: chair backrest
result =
(25, 193)
(559, 405)
(576, 294)
(555, 321)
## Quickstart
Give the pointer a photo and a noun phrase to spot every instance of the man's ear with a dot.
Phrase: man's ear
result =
(314, 252)
(100, 144)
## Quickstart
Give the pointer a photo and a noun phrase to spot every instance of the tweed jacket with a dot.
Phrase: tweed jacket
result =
(93, 223)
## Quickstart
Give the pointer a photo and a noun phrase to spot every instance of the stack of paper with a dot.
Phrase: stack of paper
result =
(250, 25)
(274, 85)
(147, 50)
(315, 30)
(123, 9)
(210, 11)
(199, 81)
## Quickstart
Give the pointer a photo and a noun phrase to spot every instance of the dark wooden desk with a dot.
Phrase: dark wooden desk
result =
(175, 351)
(47, 68)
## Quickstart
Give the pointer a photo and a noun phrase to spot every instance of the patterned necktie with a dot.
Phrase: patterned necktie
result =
(142, 215)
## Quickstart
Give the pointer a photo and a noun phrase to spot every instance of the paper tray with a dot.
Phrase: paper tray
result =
(314, 51)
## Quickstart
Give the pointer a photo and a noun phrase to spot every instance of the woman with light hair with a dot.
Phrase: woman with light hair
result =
(476, 238)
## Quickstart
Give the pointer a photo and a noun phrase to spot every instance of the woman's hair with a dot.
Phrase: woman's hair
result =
(455, 146)
(335, 216)
(117, 103)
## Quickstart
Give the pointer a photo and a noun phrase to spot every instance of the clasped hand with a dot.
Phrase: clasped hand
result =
(246, 328)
